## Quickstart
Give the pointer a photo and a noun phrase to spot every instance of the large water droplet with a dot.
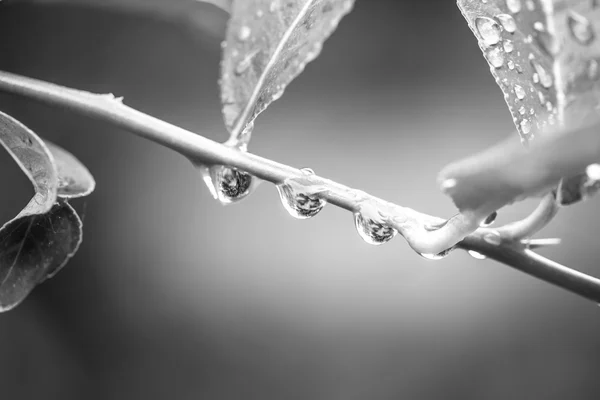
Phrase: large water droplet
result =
(514, 6)
(438, 256)
(508, 22)
(476, 255)
(489, 30)
(371, 225)
(298, 197)
(581, 28)
(231, 184)
(508, 46)
(496, 57)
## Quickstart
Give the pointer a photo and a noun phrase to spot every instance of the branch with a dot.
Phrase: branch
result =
(520, 257)
(414, 226)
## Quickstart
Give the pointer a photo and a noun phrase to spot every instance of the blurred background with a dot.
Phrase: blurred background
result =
(175, 296)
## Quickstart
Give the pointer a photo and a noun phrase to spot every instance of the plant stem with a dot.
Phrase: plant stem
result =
(411, 224)
(519, 257)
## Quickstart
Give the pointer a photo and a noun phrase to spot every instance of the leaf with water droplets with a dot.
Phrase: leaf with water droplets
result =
(544, 55)
(35, 160)
(268, 44)
(34, 248)
(74, 179)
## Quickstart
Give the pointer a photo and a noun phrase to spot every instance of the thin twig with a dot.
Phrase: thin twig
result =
(411, 224)
(536, 221)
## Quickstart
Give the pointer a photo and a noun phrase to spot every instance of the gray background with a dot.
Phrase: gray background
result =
(174, 296)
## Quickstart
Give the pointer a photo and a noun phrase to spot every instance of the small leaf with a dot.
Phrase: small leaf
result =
(35, 160)
(74, 179)
(268, 44)
(34, 248)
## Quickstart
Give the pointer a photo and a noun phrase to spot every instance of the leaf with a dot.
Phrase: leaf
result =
(34, 248)
(268, 44)
(544, 55)
(34, 159)
(498, 176)
(74, 179)
(37, 243)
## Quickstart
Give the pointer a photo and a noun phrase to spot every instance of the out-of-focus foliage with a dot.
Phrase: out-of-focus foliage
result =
(37, 243)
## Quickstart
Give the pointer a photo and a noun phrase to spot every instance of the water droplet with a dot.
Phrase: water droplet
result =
(593, 69)
(581, 28)
(489, 220)
(541, 97)
(259, 13)
(522, 110)
(298, 197)
(543, 76)
(273, 6)
(530, 5)
(493, 237)
(435, 227)
(489, 30)
(508, 22)
(231, 184)
(520, 92)
(244, 33)
(496, 58)
(525, 125)
(539, 26)
(476, 255)
(371, 225)
(508, 46)
(593, 172)
(438, 256)
(511, 65)
(514, 6)
(448, 184)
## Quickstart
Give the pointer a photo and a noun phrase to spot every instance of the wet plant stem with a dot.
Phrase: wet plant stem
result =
(414, 226)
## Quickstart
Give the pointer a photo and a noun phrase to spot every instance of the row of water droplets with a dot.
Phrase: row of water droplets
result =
(302, 199)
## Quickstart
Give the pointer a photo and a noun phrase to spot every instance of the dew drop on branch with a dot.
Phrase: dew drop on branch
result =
(476, 255)
(298, 197)
(439, 256)
(372, 226)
